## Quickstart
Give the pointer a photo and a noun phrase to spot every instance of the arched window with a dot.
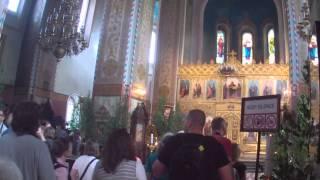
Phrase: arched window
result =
(73, 111)
(271, 47)
(221, 45)
(247, 44)
(313, 50)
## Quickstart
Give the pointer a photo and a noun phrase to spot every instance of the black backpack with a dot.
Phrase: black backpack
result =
(187, 162)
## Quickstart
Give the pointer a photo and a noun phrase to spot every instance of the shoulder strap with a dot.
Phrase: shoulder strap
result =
(85, 170)
(1, 128)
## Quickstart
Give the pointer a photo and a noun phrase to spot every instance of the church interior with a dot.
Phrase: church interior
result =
(204, 54)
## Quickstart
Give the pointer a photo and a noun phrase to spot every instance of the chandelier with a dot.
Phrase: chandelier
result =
(61, 33)
(304, 25)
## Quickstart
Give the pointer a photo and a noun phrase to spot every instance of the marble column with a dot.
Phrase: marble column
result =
(169, 49)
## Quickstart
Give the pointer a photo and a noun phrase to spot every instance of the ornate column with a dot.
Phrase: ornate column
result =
(298, 51)
(110, 67)
(122, 65)
(169, 49)
(141, 45)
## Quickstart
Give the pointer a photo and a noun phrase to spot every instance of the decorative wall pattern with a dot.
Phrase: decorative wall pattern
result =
(140, 67)
(295, 63)
(110, 68)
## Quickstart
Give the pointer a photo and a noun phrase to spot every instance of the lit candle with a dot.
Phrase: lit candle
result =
(151, 138)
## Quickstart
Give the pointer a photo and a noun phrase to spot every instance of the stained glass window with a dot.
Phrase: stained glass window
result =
(313, 50)
(220, 47)
(271, 47)
(247, 44)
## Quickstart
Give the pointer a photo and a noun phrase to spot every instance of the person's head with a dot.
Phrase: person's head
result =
(61, 148)
(90, 148)
(26, 118)
(235, 152)
(9, 170)
(117, 148)
(219, 125)
(195, 120)
(49, 132)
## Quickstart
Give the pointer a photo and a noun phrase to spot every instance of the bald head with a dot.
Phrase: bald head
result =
(196, 119)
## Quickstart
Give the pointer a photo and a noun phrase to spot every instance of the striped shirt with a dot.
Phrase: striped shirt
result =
(126, 170)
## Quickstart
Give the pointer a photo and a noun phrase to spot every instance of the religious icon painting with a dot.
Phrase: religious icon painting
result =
(253, 88)
(281, 87)
(211, 89)
(232, 88)
(267, 87)
(314, 90)
(197, 89)
(184, 88)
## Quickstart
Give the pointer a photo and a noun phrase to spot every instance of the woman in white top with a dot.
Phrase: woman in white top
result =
(84, 165)
(118, 159)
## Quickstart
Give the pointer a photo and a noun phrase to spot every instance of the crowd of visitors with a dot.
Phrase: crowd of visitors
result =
(34, 149)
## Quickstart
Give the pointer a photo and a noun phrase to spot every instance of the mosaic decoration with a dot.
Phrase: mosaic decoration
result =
(295, 65)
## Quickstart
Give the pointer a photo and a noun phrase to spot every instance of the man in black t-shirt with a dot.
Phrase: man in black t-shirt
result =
(192, 155)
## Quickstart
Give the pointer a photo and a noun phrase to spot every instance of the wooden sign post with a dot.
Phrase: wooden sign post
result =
(260, 114)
